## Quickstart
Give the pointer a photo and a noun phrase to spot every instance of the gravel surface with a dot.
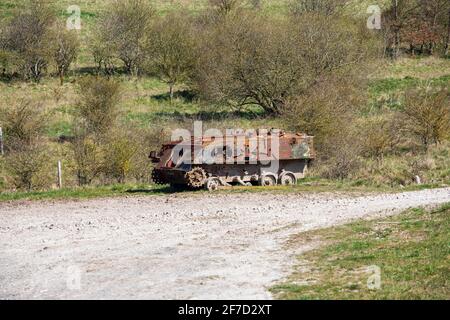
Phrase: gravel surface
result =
(226, 246)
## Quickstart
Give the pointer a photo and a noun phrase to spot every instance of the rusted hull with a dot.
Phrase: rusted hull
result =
(268, 160)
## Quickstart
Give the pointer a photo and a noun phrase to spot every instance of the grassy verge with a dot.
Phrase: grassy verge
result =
(412, 251)
(85, 193)
(309, 185)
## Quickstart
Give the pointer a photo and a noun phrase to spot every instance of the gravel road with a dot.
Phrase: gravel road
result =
(226, 246)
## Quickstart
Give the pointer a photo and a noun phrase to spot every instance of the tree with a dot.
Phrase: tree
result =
(248, 60)
(29, 36)
(65, 51)
(124, 29)
(420, 24)
(171, 54)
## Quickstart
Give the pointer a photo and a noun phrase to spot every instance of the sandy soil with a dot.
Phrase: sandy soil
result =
(169, 247)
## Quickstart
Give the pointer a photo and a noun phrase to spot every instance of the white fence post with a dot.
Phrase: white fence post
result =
(59, 175)
(2, 150)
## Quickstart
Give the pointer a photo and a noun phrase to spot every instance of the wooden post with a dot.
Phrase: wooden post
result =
(2, 151)
(59, 175)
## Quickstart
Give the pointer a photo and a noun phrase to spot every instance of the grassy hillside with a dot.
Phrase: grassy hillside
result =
(146, 104)
(146, 99)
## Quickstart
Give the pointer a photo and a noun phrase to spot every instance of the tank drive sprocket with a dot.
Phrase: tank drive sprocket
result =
(196, 178)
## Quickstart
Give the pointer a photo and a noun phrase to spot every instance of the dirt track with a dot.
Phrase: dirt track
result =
(178, 246)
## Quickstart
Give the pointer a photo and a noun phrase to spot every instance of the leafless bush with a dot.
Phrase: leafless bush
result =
(329, 111)
(25, 165)
(223, 7)
(28, 35)
(98, 108)
(170, 52)
(379, 135)
(248, 60)
(343, 156)
(88, 156)
(25, 146)
(23, 125)
(426, 115)
(65, 51)
(123, 31)
(326, 108)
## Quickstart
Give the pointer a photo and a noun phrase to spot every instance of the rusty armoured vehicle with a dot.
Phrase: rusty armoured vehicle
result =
(239, 158)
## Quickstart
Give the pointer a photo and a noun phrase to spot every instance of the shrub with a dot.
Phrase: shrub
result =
(342, 158)
(23, 125)
(171, 53)
(28, 35)
(325, 109)
(426, 115)
(325, 7)
(88, 156)
(65, 50)
(97, 110)
(124, 31)
(379, 135)
(120, 150)
(25, 166)
(248, 60)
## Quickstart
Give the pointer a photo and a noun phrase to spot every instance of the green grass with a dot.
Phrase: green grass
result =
(309, 185)
(390, 85)
(86, 193)
(412, 251)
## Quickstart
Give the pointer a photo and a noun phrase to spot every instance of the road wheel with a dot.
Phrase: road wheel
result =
(212, 184)
(268, 180)
(288, 179)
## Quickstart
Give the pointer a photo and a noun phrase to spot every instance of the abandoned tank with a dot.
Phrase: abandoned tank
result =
(254, 158)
